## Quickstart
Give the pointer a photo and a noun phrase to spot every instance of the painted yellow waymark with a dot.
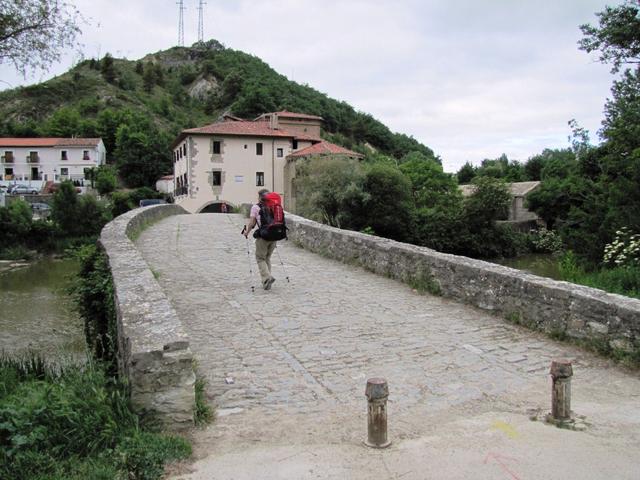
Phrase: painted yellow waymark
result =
(506, 428)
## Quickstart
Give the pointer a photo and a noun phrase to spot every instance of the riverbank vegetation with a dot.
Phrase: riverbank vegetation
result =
(74, 220)
(75, 422)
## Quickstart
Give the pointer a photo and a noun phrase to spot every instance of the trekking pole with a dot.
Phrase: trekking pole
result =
(253, 288)
(282, 263)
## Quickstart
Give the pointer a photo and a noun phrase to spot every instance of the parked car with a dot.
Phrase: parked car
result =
(40, 207)
(151, 201)
(23, 189)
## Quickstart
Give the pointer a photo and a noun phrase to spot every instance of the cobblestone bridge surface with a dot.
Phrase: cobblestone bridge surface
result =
(286, 369)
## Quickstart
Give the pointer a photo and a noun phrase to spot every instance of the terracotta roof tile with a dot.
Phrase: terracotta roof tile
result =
(286, 114)
(255, 129)
(49, 142)
(324, 148)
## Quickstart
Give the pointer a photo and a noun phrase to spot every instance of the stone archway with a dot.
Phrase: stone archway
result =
(216, 207)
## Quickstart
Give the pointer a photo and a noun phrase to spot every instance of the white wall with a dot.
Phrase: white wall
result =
(50, 162)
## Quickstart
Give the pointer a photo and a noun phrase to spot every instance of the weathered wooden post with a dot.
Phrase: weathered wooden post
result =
(561, 373)
(377, 392)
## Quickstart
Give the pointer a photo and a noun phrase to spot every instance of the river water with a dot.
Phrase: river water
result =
(37, 314)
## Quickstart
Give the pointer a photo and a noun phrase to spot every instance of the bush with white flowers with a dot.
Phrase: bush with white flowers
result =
(624, 251)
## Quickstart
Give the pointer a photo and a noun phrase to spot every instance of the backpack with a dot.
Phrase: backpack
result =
(272, 224)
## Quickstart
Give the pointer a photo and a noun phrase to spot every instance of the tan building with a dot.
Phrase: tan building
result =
(518, 213)
(320, 149)
(230, 161)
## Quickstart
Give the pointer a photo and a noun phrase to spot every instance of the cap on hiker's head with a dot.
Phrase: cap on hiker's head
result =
(263, 192)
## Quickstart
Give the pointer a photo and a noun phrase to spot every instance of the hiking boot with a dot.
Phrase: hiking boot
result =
(268, 282)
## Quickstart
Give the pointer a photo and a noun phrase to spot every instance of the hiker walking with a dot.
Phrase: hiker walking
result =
(268, 216)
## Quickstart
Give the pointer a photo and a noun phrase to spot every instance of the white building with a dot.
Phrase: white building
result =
(165, 184)
(230, 161)
(49, 159)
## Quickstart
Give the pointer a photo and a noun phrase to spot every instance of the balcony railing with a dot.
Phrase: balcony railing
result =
(7, 158)
(33, 159)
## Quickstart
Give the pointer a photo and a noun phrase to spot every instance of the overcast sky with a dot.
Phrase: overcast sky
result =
(472, 79)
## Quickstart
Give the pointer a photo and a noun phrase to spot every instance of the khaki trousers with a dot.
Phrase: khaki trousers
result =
(264, 249)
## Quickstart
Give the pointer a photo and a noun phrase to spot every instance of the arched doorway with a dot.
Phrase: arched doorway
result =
(216, 207)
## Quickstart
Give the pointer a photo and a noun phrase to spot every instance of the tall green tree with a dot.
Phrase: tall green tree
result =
(466, 173)
(389, 208)
(430, 185)
(617, 36)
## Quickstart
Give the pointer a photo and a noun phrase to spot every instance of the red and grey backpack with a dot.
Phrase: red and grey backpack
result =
(272, 224)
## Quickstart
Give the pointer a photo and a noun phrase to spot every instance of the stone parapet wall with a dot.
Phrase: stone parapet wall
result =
(153, 347)
(608, 321)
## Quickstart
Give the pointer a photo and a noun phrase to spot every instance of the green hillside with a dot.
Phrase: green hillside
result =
(138, 107)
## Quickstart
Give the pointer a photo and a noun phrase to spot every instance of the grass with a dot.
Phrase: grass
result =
(425, 282)
(203, 413)
(624, 280)
(17, 252)
(74, 423)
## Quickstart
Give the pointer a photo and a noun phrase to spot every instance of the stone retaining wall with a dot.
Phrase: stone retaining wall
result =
(153, 347)
(607, 321)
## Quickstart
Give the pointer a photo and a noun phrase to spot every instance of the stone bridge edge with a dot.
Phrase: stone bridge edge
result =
(154, 355)
(607, 322)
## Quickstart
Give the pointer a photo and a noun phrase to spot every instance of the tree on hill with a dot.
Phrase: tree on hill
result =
(107, 68)
(34, 33)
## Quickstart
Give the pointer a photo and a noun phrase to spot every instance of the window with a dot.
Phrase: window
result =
(8, 172)
(259, 179)
(63, 155)
(245, 147)
(33, 157)
(8, 156)
(85, 155)
(216, 147)
(64, 171)
(216, 178)
(295, 144)
(258, 149)
(184, 147)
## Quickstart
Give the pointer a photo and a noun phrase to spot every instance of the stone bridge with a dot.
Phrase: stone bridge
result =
(286, 368)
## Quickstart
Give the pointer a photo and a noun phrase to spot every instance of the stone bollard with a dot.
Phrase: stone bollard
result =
(561, 373)
(377, 392)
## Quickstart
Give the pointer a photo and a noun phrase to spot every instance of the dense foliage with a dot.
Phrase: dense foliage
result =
(588, 193)
(138, 108)
(74, 423)
(74, 219)
(412, 200)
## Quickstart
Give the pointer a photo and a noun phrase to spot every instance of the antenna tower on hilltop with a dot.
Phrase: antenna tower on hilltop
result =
(181, 8)
(201, 20)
